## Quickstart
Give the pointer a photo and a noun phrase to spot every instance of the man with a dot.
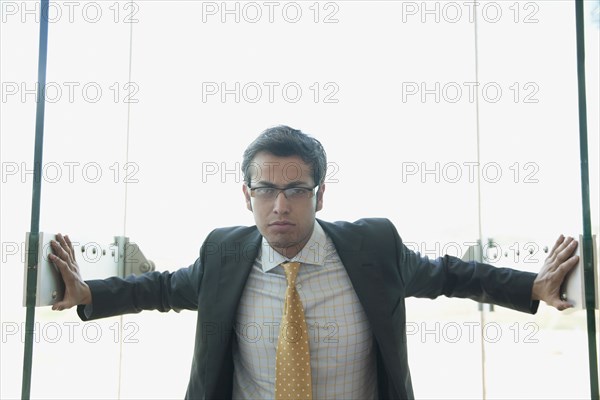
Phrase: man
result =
(327, 298)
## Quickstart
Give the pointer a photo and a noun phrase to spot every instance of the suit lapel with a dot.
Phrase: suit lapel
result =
(235, 263)
(366, 276)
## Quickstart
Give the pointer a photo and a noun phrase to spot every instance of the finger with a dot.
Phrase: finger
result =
(562, 245)
(567, 251)
(564, 268)
(64, 246)
(61, 305)
(556, 244)
(562, 305)
(62, 266)
(72, 250)
(59, 251)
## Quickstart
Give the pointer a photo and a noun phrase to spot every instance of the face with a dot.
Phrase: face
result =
(286, 224)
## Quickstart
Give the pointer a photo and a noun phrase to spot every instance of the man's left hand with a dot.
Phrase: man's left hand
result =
(561, 260)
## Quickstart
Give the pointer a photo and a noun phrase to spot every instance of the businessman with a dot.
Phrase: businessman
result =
(299, 308)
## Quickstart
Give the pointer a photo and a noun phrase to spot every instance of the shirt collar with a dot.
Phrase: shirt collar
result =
(312, 253)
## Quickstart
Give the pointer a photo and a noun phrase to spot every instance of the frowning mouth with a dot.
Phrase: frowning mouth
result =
(281, 223)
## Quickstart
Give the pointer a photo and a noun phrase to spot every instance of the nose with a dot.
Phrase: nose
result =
(281, 205)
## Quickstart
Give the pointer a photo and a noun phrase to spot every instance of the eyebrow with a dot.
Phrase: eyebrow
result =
(289, 185)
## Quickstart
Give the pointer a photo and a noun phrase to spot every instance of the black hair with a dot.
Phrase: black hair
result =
(283, 141)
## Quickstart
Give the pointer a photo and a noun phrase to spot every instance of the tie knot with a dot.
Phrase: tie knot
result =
(291, 271)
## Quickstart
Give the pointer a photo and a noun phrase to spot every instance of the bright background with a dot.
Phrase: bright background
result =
(178, 89)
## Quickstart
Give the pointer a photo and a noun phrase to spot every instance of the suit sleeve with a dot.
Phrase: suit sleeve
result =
(452, 277)
(162, 291)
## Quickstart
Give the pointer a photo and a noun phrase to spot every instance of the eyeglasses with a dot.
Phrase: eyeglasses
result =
(269, 193)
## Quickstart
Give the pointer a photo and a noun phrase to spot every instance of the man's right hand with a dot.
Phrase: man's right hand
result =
(76, 290)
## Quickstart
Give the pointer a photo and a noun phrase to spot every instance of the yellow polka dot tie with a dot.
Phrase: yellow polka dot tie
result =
(292, 369)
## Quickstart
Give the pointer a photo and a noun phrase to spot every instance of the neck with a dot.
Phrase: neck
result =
(291, 251)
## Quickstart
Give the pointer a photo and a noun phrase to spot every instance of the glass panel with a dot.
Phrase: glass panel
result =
(82, 191)
(388, 89)
(17, 124)
(531, 136)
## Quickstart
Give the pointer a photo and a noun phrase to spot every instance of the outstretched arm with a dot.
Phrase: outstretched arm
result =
(162, 291)
(519, 290)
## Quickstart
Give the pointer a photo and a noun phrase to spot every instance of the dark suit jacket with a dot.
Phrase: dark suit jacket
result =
(382, 270)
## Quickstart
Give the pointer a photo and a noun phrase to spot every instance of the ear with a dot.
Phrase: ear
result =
(247, 196)
(320, 197)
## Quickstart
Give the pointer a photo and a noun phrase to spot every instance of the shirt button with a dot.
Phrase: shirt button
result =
(299, 286)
